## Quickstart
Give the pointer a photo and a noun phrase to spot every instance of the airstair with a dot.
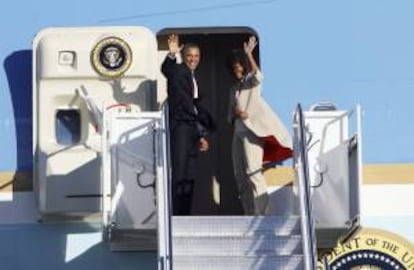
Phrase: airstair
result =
(137, 212)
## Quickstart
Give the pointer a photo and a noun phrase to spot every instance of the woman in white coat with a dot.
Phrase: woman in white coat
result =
(259, 135)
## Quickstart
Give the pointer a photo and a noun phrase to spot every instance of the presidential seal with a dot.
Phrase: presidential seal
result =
(371, 249)
(111, 57)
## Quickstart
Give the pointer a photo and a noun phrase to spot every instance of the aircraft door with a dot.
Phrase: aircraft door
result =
(75, 71)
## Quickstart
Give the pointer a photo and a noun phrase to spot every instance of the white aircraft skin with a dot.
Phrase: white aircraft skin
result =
(345, 52)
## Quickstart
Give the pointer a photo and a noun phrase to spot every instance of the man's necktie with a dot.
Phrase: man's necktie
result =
(195, 86)
(195, 90)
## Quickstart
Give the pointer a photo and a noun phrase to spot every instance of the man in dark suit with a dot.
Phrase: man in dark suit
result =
(189, 122)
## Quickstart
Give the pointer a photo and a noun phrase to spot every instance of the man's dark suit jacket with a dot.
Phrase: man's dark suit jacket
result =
(180, 95)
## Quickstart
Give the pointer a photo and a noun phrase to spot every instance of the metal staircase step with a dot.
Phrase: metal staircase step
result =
(265, 244)
(258, 262)
(134, 240)
(235, 225)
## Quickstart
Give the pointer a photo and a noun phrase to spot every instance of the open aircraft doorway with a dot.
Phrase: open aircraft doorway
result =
(215, 190)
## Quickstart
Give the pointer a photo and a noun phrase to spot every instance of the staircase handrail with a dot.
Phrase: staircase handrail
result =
(304, 194)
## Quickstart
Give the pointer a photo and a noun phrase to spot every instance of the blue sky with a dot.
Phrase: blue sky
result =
(348, 52)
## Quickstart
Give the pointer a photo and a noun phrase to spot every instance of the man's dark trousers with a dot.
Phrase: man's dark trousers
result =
(184, 151)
